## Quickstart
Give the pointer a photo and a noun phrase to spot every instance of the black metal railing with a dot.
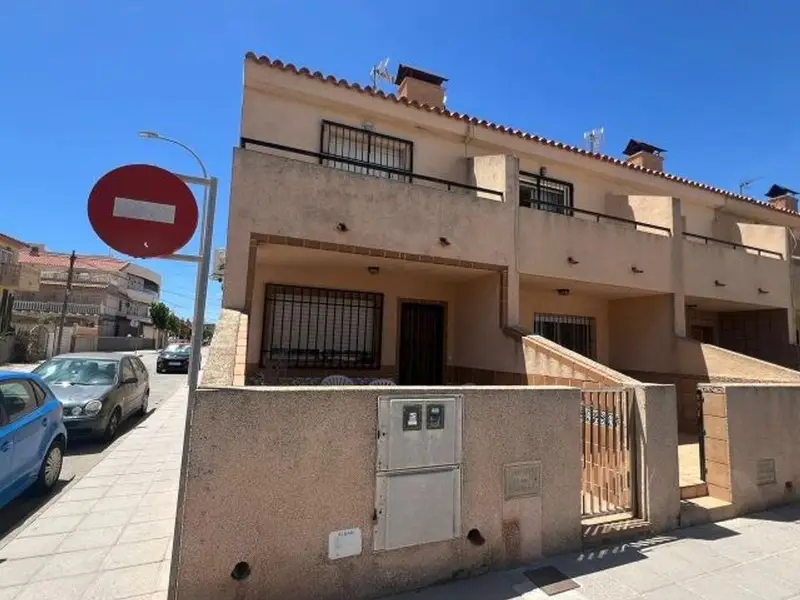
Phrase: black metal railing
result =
(573, 332)
(400, 173)
(545, 193)
(376, 149)
(309, 327)
(735, 245)
(600, 216)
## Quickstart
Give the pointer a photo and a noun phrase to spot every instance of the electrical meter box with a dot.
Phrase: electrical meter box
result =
(418, 432)
(418, 482)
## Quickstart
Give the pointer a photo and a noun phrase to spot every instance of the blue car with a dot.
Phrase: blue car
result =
(32, 435)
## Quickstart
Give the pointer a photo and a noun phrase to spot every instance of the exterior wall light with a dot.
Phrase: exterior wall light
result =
(572, 261)
(342, 227)
(637, 270)
(718, 283)
(373, 270)
(563, 292)
(444, 241)
(762, 291)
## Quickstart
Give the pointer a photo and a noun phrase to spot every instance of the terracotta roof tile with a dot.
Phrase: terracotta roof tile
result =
(51, 260)
(290, 68)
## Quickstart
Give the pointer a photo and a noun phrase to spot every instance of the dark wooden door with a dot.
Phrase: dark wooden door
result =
(421, 360)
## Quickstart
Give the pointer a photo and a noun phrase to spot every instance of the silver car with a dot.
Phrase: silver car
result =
(99, 390)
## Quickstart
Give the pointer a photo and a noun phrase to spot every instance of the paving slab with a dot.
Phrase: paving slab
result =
(110, 534)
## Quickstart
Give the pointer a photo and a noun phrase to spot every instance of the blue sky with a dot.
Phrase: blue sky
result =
(713, 82)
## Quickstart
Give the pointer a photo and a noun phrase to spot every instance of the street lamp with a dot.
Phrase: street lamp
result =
(206, 225)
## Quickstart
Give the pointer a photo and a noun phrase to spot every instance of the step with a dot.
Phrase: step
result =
(606, 532)
(705, 509)
(696, 490)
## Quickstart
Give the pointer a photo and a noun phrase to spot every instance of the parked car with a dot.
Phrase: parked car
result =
(32, 435)
(99, 390)
(174, 358)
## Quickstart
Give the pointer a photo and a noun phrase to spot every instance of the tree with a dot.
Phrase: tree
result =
(159, 313)
(173, 324)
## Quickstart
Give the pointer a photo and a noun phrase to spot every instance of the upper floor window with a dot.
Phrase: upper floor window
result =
(6, 255)
(367, 152)
(544, 193)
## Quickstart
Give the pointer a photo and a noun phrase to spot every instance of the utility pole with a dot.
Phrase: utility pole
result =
(67, 292)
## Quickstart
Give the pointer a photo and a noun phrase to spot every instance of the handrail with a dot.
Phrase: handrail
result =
(599, 216)
(734, 245)
(360, 163)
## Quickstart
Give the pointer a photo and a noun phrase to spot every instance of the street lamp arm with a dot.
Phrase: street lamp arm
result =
(158, 136)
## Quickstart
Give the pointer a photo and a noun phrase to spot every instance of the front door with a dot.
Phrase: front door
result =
(421, 357)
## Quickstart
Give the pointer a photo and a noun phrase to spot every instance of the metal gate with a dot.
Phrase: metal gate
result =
(608, 464)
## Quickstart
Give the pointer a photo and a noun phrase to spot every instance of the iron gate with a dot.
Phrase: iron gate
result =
(608, 464)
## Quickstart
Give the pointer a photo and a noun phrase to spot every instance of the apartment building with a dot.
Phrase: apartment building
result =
(110, 294)
(379, 235)
(14, 277)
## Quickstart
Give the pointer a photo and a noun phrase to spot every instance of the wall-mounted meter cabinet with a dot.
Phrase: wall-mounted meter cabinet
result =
(418, 483)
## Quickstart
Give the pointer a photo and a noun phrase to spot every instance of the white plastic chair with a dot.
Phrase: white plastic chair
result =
(382, 382)
(336, 380)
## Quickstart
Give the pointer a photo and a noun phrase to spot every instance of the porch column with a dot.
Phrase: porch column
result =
(679, 297)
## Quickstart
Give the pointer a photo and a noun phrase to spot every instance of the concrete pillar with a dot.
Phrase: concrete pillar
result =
(679, 296)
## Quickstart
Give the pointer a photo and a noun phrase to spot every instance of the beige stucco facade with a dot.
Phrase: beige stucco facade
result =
(638, 253)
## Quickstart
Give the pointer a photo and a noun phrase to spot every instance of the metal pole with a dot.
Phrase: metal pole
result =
(57, 349)
(201, 290)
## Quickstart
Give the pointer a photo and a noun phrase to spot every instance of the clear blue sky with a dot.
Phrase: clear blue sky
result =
(714, 82)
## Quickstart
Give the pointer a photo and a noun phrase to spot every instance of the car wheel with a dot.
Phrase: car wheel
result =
(145, 403)
(50, 470)
(113, 425)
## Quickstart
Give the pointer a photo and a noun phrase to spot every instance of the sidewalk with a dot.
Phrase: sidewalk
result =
(751, 558)
(110, 535)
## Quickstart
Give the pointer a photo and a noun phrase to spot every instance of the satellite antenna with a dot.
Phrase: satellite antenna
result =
(746, 184)
(380, 72)
(594, 139)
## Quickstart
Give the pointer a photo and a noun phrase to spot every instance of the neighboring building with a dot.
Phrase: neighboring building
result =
(14, 278)
(108, 293)
(386, 236)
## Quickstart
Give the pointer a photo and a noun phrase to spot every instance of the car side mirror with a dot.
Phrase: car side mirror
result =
(129, 380)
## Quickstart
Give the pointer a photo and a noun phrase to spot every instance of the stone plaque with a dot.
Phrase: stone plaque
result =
(765, 471)
(522, 479)
(342, 544)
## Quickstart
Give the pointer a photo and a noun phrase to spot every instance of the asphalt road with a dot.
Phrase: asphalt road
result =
(81, 456)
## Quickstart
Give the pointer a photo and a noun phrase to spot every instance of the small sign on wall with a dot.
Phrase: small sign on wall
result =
(344, 543)
(522, 479)
(765, 471)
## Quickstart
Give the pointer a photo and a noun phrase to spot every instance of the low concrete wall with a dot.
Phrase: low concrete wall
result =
(124, 344)
(6, 348)
(269, 473)
(752, 443)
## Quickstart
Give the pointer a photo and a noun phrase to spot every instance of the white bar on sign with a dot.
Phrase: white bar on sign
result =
(144, 211)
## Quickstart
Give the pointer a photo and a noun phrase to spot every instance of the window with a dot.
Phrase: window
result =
(574, 333)
(41, 397)
(78, 371)
(543, 193)
(17, 399)
(127, 370)
(367, 149)
(6, 255)
(307, 327)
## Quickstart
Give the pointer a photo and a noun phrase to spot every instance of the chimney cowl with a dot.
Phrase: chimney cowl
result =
(420, 86)
(644, 155)
(782, 197)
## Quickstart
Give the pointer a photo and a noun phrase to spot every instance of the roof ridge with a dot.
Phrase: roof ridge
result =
(318, 75)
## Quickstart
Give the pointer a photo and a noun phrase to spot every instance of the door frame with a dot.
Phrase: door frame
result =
(445, 332)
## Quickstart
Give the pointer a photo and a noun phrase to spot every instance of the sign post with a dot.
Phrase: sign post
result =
(145, 211)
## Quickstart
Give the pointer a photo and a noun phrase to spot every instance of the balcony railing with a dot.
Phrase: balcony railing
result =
(735, 245)
(570, 210)
(368, 167)
(73, 308)
(86, 277)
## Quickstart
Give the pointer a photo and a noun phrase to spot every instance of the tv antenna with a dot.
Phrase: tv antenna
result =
(594, 139)
(380, 72)
(743, 185)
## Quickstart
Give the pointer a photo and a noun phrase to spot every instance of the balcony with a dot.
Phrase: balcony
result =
(17, 277)
(568, 243)
(85, 278)
(293, 193)
(736, 271)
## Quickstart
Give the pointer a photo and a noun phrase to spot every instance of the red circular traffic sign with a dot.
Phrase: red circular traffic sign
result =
(143, 211)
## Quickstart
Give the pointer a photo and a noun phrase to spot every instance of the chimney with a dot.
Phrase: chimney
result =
(644, 155)
(420, 86)
(782, 197)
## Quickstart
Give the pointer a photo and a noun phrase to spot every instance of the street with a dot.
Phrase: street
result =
(82, 456)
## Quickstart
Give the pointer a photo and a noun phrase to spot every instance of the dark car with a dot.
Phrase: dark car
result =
(174, 359)
(32, 435)
(99, 390)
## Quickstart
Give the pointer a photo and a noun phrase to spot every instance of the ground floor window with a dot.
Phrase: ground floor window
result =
(574, 333)
(309, 327)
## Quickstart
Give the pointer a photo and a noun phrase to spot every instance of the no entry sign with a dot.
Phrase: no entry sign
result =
(143, 211)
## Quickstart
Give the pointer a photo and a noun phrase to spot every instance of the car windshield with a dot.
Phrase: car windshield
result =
(79, 371)
(177, 349)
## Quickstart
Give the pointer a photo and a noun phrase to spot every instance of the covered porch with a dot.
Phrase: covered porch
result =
(343, 315)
